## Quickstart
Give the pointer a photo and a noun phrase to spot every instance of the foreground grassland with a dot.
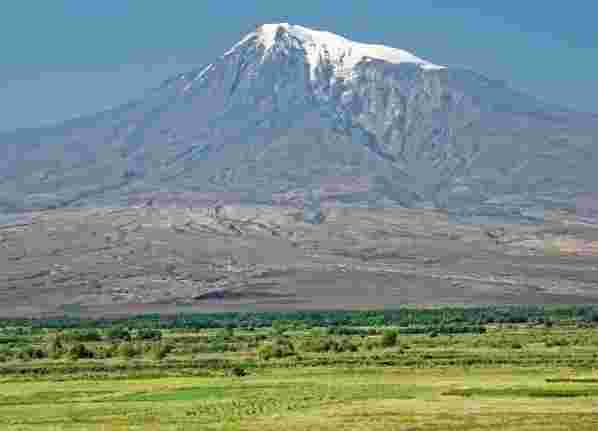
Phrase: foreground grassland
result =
(318, 398)
(532, 376)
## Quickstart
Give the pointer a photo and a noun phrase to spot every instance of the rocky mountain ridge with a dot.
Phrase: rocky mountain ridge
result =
(291, 112)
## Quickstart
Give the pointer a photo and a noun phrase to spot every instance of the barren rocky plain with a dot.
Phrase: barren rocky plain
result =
(122, 261)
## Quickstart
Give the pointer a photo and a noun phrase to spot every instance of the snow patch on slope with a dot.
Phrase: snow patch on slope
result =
(343, 54)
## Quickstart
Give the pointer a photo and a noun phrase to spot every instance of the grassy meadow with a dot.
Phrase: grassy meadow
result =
(292, 376)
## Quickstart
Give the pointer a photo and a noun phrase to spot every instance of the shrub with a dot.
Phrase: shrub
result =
(170, 268)
(79, 351)
(285, 346)
(110, 350)
(228, 332)
(118, 333)
(236, 371)
(5, 352)
(265, 351)
(127, 351)
(317, 344)
(346, 345)
(160, 351)
(200, 348)
(218, 346)
(389, 338)
(279, 327)
(85, 336)
(279, 348)
(328, 344)
(345, 330)
(316, 332)
(55, 348)
(370, 344)
(37, 353)
(149, 334)
(30, 352)
(554, 342)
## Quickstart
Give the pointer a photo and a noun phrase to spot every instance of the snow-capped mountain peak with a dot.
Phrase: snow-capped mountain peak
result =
(343, 54)
(371, 125)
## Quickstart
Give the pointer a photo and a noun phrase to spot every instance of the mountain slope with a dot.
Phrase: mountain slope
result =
(289, 110)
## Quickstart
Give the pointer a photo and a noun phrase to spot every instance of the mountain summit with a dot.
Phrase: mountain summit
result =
(290, 112)
(324, 47)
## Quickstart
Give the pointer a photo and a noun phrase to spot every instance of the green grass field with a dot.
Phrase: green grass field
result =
(305, 399)
(514, 377)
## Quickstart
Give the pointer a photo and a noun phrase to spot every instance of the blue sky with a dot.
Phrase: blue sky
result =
(63, 58)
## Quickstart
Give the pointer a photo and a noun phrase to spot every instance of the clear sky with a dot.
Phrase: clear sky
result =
(63, 58)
